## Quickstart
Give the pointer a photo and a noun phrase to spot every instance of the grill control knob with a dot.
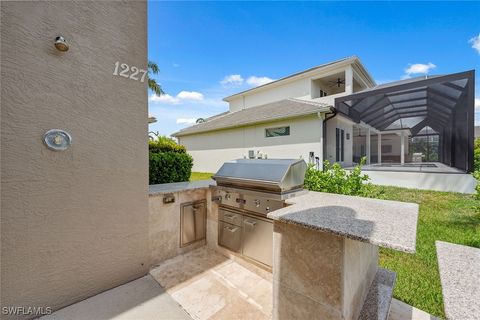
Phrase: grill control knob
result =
(256, 202)
(227, 196)
(267, 208)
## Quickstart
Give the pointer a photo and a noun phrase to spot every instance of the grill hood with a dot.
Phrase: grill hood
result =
(271, 175)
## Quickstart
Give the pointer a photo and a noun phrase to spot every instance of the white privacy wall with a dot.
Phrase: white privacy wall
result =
(297, 89)
(210, 150)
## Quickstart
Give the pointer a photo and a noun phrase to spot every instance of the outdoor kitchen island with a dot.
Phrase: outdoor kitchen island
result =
(325, 255)
(324, 258)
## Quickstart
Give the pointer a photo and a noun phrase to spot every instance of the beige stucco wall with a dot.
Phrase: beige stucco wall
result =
(73, 223)
(211, 149)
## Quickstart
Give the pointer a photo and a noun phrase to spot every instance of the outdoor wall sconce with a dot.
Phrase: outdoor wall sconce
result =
(61, 44)
(57, 140)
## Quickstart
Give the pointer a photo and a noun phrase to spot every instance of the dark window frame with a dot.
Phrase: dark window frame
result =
(339, 145)
(273, 135)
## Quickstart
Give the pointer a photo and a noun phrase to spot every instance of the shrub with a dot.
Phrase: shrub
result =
(476, 156)
(476, 166)
(165, 144)
(476, 175)
(166, 167)
(168, 161)
(334, 179)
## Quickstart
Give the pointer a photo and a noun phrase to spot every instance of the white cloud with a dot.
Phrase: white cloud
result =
(164, 98)
(180, 97)
(419, 68)
(232, 80)
(236, 80)
(186, 121)
(258, 81)
(190, 95)
(477, 104)
(175, 65)
(475, 42)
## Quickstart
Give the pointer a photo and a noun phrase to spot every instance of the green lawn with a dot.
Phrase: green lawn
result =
(445, 216)
(200, 176)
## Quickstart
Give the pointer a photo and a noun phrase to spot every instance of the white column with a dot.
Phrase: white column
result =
(368, 139)
(379, 148)
(349, 80)
(402, 148)
(321, 116)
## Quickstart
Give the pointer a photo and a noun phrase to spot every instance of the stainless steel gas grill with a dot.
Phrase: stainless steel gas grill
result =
(247, 190)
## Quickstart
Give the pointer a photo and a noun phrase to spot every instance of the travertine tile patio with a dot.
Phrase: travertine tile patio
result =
(210, 286)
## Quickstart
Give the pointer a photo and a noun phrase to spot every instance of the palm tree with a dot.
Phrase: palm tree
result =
(152, 84)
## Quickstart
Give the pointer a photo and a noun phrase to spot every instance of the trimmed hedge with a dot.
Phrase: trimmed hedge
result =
(169, 162)
(164, 144)
(166, 167)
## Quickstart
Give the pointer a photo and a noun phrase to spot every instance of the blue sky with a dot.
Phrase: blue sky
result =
(209, 50)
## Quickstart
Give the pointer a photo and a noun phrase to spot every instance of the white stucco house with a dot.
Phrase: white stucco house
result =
(336, 112)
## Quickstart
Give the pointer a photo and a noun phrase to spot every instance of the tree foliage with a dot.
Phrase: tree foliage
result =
(152, 83)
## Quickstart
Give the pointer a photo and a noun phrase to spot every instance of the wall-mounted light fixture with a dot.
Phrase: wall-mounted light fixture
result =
(61, 44)
(57, 140)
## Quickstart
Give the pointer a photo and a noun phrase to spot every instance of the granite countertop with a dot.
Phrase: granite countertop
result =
(459, 274)
(158, 189)
(379, 297)
(388, 224)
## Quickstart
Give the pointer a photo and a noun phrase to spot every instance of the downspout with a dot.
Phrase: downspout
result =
(333, 113)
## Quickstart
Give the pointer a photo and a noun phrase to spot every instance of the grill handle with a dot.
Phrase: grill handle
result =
(250, 223)
(229, 216)
(231, 229)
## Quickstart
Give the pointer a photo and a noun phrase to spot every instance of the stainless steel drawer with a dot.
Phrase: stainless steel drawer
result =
(258, 239)
(230, 236)
(230, 217)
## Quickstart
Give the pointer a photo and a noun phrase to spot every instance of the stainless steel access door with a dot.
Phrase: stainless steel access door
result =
(230, 236)
(258, 239)
(193, 219)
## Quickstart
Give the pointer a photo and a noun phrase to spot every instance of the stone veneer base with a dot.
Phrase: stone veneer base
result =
(318, 275)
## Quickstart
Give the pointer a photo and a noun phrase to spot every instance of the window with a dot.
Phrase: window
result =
(275, 132)
(339, 145)
(387, 148)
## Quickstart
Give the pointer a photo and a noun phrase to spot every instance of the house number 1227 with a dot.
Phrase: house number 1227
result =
(129, 72)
